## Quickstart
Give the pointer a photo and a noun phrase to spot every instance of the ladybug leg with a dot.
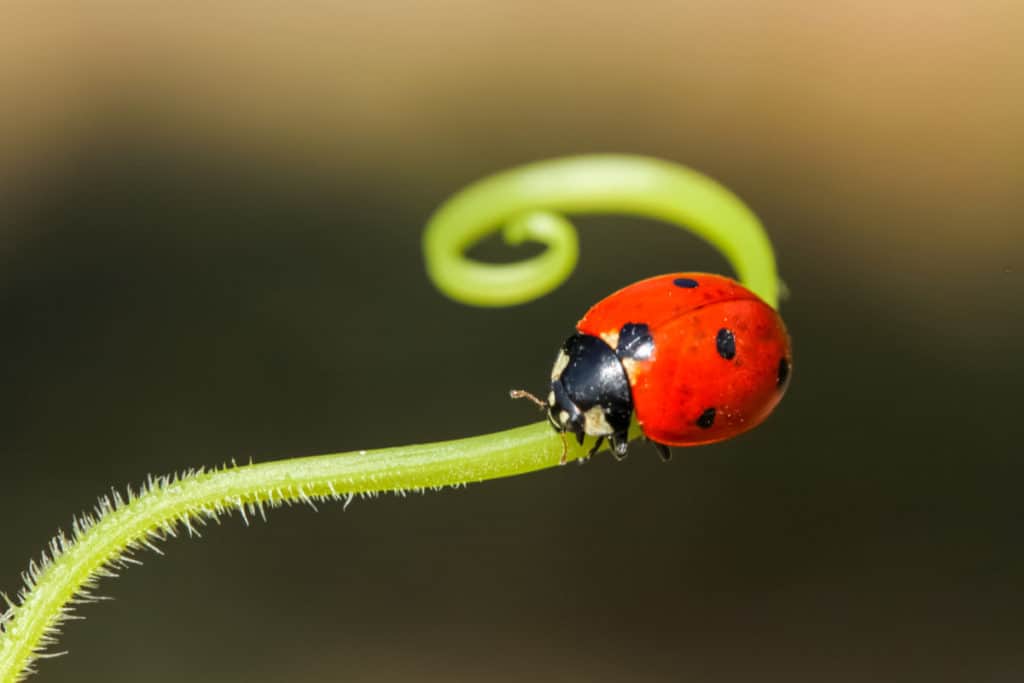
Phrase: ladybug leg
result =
(664, 451)
(575, 426)
(597, 445)
(619, 442)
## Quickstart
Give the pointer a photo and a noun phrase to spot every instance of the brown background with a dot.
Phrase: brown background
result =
(209, 249)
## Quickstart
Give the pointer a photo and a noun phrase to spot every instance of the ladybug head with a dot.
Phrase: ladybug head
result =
(590, 392)
(563, 413)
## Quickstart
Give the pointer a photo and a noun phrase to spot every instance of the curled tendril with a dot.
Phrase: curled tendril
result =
(526, 203)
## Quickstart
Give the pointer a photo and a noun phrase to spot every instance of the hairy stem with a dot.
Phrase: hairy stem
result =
(524, 202)
(166, 506)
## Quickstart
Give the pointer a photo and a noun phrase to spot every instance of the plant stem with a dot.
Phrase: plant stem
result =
(171, 505)
(526, 201)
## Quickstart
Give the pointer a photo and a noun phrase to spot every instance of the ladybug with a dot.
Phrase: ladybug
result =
(698, 357)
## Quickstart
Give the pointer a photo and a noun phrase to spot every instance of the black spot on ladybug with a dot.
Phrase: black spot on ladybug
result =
(783, 372)
(684, 282)
(706, 419)
(725, 342)
(635, 341)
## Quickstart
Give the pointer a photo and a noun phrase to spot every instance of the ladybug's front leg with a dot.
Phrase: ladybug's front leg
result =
(619, 442)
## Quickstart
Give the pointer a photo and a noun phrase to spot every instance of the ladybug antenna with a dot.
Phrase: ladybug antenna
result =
(520, 393)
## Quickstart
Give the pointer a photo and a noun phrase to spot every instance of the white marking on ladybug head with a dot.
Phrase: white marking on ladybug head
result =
(551, 398)
(560, 364)
(595, 423)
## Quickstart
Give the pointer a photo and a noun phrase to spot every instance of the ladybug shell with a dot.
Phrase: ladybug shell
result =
(721, 356)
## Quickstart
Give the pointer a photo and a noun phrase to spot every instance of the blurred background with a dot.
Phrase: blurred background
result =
(210, 217)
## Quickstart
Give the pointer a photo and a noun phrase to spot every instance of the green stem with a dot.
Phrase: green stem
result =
(525, 199)
(169, 505)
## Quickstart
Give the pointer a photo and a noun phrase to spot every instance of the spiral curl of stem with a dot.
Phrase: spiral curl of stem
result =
(526, 203)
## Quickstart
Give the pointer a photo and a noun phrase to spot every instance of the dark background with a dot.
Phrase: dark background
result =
(209, 249)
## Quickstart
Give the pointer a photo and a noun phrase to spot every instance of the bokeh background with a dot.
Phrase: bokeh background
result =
(209, 249)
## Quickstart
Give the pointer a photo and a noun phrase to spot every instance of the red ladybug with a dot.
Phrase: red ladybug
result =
(699, 357)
